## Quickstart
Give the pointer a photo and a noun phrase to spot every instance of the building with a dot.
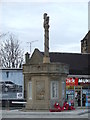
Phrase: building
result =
(85, 43)
(11, 85)
(78, 80)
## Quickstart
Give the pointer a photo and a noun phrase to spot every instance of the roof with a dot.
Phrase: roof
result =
(10, 69)
(79, 64)
(87, 36)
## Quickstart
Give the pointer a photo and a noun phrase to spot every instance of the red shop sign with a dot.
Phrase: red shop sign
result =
(71, 81)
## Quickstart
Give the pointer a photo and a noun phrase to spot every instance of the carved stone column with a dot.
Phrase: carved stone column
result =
(46, 58)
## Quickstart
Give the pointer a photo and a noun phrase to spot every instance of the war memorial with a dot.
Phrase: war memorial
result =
(44, 81)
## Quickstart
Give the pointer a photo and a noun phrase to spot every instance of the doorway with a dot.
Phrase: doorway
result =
(78, 96)
(83, 99)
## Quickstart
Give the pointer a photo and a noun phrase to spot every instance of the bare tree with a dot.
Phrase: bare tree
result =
(11, 54)
(1, 35)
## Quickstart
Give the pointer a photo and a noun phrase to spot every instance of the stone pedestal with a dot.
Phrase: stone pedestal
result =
(46, 59)
(43, 79)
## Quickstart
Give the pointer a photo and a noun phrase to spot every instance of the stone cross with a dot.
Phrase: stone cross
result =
(46, 39)
(46, 35)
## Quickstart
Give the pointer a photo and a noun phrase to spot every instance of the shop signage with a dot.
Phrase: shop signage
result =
(71, 81)
(76, 81)
(84, 81)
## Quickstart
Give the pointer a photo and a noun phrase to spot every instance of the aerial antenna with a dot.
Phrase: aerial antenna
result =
(30, 45)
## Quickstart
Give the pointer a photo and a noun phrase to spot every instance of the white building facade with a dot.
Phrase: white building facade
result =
(11, 84)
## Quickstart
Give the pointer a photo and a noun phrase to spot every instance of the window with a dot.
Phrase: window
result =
(54, 89)
(7, 74)
(63, 89)
(30, 90)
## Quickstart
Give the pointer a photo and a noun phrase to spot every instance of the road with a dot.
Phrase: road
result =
(79, 113)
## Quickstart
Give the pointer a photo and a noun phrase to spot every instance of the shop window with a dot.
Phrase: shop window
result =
(30, 90)
(54, 89)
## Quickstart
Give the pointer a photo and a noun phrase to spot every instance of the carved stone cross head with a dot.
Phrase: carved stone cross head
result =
(46, 21)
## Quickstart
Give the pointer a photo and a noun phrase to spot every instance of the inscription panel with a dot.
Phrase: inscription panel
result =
(40, 90)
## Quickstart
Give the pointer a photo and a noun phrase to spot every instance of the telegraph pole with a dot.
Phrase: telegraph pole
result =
(30, 45)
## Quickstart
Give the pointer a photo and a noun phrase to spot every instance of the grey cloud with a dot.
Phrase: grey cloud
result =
(68, 22)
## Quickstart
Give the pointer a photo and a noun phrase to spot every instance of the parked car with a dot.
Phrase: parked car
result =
(8, 86)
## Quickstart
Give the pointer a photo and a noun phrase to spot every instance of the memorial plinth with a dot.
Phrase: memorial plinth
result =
(41, 76)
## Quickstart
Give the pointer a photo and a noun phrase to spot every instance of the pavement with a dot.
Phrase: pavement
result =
(77, 113)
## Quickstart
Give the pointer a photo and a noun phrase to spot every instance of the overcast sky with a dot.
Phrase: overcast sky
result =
(68, 23)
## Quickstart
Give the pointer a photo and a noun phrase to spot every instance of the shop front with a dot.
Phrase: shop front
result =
(78, 91)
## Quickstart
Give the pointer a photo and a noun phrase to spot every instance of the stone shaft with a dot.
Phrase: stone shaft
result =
(46, 58)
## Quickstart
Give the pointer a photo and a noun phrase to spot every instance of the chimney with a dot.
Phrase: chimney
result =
(27, 55)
